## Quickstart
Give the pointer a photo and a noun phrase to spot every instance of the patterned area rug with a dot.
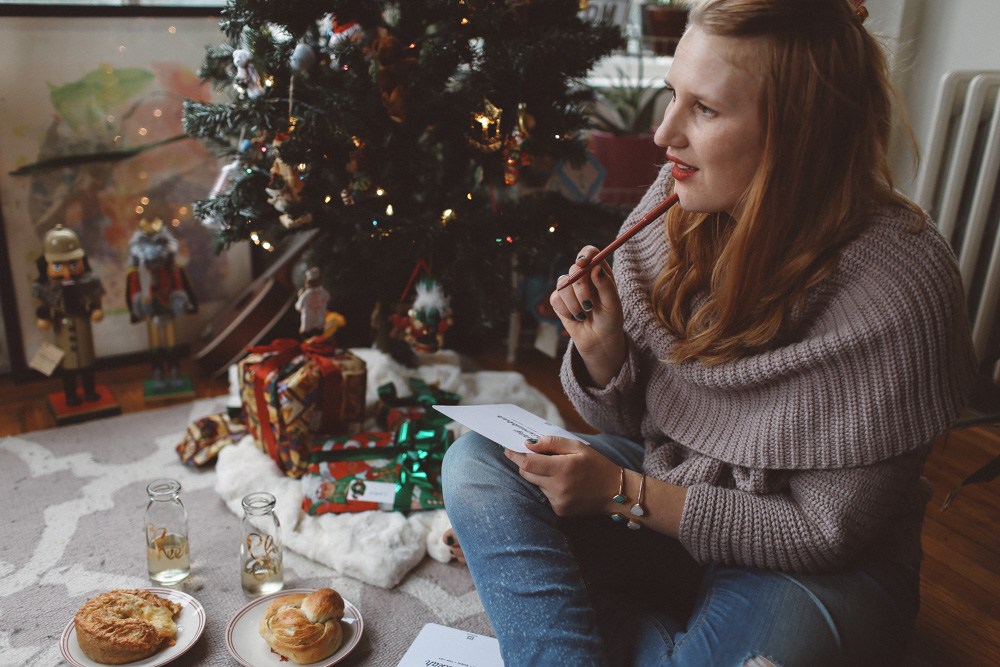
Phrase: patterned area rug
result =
(74, 503)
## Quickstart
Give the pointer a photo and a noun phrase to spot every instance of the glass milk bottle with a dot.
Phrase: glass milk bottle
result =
(260, 550)
(167, 551)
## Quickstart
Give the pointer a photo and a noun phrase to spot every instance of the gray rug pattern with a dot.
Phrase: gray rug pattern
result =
(74, 499)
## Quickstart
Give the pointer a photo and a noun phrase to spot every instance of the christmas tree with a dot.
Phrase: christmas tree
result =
(418, 133)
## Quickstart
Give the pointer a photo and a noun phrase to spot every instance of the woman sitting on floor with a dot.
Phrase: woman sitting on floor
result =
(768, 367)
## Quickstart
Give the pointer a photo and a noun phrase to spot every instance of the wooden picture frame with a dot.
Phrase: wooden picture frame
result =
(83, 82)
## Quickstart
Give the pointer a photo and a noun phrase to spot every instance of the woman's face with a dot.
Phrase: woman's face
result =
(712, 129)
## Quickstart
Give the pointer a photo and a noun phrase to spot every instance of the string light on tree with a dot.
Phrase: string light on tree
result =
(404, 98)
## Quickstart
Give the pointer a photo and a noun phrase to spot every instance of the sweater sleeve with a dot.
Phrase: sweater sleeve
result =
(822, 520)
(616, 408)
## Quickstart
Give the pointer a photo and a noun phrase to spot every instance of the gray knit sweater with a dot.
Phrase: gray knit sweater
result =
(807, 457)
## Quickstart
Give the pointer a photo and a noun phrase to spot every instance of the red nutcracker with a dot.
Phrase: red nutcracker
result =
(157, 291)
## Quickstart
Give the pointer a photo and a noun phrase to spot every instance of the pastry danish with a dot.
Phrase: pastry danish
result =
(304, 627)
(125, 625)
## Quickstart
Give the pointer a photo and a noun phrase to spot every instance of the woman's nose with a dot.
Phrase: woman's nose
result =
(668, 132)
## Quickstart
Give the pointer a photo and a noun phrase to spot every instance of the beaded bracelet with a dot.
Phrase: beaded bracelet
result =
(636, 510)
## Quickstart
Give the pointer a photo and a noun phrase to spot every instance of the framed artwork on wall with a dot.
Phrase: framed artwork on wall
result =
(91, 138)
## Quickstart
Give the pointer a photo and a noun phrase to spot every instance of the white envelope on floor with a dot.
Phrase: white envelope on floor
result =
(506, 424)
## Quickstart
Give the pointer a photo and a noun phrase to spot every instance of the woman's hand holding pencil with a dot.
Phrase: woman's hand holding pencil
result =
(591, 312)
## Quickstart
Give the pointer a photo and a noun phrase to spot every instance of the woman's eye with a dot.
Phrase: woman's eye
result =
(708, 111)
(670, 91)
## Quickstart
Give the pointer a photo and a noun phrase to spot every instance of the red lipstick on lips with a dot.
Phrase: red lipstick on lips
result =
(681, 170)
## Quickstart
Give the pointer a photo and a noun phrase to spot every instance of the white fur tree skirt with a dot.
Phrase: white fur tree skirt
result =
(375, 547)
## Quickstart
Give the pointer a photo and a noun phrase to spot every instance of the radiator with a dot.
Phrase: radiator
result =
(958, 185)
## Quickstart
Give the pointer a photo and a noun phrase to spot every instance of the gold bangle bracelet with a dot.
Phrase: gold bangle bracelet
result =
(637, 509)
(621, 498)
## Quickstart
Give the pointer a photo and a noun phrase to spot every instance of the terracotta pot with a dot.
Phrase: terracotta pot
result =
(632, 163)
(662, 27)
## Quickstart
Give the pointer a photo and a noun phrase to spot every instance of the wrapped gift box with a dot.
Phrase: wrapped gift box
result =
(378, 470)
(392, 410)
(295, 392)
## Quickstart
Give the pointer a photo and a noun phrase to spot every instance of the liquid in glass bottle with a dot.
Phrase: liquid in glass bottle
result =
(260, 551)
(167, 553)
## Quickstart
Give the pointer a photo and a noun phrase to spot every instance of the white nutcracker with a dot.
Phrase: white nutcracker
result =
(312, 304)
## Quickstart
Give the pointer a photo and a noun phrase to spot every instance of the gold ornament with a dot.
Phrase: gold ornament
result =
(485, 128)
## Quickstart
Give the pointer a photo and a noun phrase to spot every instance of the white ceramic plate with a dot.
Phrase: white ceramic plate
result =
(190, 624)
(245, 643)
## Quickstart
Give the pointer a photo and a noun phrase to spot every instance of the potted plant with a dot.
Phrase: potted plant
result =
(663, 23)
(623, 120)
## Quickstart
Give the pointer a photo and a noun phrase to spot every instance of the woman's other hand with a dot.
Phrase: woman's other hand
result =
(576, 479)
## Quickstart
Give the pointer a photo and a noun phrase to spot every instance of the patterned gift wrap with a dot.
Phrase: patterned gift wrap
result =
(294, 392)
(206, 436)
(378, 470)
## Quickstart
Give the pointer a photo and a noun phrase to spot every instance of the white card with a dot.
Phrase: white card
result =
(450, 647)
(506, 424)
(372, 492)
(47, 359)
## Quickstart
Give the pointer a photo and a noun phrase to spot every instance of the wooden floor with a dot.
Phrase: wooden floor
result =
(959, 622)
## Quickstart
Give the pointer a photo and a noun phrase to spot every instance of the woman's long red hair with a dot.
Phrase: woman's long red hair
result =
(729, 286)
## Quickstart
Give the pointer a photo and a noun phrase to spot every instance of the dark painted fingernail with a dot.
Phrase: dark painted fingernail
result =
(449, 540)
(587, 305)
(581, 316)
(580, 256)
(533, 441)
(600, 272)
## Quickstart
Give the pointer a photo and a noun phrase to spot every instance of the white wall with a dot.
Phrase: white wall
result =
(935, 37)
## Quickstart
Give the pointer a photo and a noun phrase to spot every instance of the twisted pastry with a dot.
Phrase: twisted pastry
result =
(304, 628)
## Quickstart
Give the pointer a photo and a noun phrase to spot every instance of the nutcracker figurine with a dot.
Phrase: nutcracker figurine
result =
(67, 298)
(312, 303)
(157, 291)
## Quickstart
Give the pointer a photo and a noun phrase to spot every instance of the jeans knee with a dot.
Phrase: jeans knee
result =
(467, 468)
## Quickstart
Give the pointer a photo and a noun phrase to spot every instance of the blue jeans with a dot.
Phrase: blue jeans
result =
(590, 592)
